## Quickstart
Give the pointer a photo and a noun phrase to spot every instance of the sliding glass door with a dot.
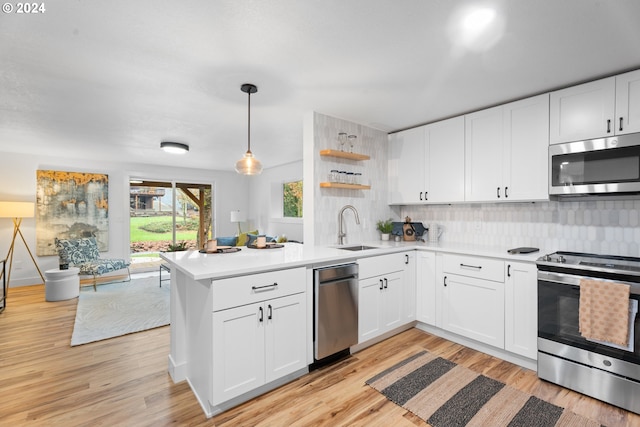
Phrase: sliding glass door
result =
(167, 216)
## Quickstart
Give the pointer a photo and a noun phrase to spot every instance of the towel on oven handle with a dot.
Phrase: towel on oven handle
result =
(633, 311)
(604, 311)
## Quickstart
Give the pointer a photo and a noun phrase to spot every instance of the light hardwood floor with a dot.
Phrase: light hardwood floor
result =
(124, 381)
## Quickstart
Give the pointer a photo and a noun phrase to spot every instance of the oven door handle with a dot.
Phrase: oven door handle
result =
(574, 280)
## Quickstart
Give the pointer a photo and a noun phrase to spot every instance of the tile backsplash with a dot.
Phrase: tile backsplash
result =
(603, 227)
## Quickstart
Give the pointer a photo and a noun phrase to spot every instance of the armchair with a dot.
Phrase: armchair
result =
(83, 253)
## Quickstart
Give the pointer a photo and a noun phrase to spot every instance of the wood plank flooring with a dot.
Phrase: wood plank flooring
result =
(124, 381)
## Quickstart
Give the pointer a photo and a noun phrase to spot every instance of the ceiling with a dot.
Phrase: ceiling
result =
(111, 79)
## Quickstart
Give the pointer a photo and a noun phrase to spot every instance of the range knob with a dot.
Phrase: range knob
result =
(561, 259)
(546, 258)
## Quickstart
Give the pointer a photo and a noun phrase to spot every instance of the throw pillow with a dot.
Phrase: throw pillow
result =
(242, 238)
(227, 241)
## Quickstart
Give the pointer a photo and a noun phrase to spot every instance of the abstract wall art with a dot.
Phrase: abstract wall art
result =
(71, 205)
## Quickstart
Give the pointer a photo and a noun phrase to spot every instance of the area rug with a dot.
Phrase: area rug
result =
(117, 309)
(445, 394)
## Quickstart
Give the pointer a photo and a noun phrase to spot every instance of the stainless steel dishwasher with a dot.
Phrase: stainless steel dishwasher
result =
(335, 310)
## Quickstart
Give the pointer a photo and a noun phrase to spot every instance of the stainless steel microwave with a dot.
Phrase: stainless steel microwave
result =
(597, 166)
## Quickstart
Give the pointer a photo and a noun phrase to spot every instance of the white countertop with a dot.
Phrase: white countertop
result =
(250, 261)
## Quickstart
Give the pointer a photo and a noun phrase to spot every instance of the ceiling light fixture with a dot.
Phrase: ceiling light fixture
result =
(174, 147)
(248, 165)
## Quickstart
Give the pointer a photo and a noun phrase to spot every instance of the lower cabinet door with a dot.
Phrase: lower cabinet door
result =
(369, 300)
(392, 301)
(426, 288)
(380, 303)
(285, 335)
(474, 308)
(238, 351)
(521, 309)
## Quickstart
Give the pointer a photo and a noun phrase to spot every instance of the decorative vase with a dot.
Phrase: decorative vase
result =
(384, 236)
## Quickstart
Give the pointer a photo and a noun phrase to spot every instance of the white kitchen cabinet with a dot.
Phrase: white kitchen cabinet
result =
(258, 330)
(526, 154)
(380, 302)
(406, 166)
(628, 103)
(473, 298)
(445, 160)
(506, 152)
(483, 155)
(409, 286)
(384, 292)
(426, 287)
(521, 309)
(426, 164)
(256, 344)
(598, 109)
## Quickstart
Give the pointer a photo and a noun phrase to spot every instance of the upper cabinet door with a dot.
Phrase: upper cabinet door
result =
(628, 103)
(483, 155)
(526, 146)
(582, 112)
(406, 166)
(445, 158)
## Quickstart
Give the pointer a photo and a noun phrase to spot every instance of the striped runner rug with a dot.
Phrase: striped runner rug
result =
(445, 394)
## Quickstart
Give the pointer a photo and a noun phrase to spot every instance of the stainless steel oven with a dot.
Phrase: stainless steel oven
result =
(602, 370)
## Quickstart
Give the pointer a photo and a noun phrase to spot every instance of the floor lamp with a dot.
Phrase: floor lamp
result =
(18, 211)
(237, 216)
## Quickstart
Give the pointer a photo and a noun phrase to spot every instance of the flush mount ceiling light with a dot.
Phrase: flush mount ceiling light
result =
(174, 147)
(248, 165)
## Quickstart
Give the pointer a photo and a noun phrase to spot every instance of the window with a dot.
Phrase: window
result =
(292, 199)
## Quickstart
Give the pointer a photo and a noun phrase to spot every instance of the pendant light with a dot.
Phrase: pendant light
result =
(248, 165)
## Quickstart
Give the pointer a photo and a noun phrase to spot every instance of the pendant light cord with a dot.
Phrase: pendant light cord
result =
(249, 123)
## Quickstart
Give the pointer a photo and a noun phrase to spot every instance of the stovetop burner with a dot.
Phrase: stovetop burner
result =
(593, 262)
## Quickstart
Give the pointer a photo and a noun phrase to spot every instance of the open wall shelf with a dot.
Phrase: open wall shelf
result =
(344, 155)
(347, 186)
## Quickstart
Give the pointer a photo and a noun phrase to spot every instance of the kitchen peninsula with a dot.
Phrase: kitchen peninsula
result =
(242, 323)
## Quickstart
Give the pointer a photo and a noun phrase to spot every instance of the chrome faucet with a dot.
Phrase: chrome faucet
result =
(341, 233)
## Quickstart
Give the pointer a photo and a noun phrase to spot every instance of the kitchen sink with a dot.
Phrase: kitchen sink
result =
(357, 247)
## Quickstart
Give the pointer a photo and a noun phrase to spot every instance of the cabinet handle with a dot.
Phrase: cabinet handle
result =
(620, 124)
(261, 318)
(265, 287)
(445, 281)
(477, 267)
(498, 192)
(406, 259)
(386, 283)
(426, 193)
(270, 315)
(506, 192)
(421, 196)
(381, 285)
(509, 270)
(609, 126)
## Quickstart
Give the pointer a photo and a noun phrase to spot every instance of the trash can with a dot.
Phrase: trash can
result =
(61, 284)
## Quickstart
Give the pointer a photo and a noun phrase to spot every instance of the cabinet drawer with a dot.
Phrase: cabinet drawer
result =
(471, 266)
(382, 264)
(237, 291)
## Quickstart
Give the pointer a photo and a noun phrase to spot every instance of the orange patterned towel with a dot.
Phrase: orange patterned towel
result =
(604, 311)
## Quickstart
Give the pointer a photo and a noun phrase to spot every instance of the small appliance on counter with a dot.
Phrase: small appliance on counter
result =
(408, 230)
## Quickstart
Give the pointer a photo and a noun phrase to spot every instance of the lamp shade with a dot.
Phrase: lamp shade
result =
(17, 209)
(237, 216)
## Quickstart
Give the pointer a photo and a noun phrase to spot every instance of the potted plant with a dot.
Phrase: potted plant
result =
(385, 227)
(179, 246)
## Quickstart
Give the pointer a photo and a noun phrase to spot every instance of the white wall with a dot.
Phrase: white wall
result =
(322, 205)
(266, 204)
(18, 183)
